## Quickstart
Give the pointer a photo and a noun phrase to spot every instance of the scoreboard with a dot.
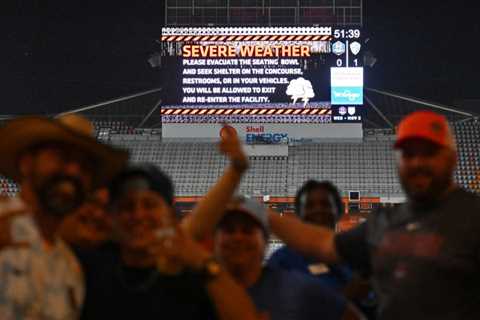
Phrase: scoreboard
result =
(347, 77)
(275, 71)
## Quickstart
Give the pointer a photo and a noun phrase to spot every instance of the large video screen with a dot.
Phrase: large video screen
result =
(250, 67)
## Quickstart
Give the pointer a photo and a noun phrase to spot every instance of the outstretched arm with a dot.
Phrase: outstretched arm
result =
(207, 213)
(308, 239)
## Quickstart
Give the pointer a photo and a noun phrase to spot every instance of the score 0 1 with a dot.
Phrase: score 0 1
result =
(348, 34)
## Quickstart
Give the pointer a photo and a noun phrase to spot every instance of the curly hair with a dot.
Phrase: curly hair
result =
(311, 185)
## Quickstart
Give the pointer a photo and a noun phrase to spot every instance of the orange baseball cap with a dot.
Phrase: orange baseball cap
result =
(426, 125)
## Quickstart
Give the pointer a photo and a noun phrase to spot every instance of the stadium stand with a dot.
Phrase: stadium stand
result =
(8, 187)
(368, 167)
(468, 138)
(114, 126)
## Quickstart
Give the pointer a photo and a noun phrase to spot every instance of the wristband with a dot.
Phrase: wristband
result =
(210, 270)
(239, 165)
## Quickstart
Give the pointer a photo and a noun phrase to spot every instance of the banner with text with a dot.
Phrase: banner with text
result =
(247, 66)
(272, 133)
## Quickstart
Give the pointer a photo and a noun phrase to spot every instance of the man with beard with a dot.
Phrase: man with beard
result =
(56, 163)
(240, 241)
(422, 256)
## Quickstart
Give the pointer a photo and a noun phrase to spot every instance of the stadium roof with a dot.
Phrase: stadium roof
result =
(140, 110)
(385, 109)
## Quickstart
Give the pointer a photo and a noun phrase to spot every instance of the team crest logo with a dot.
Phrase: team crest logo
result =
(351, 110)
(342, 111)
(355, 47)
(338, 48)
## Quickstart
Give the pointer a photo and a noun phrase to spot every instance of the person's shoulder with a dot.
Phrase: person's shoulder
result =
(307, 286)
(385, 212)
(9, 204)
(283, 255)
(16, 216)
(16, 210)
(104, 254)
(274, 272)
(462, 201)
(67, 253)
(280, 252)
(467, 204)
(293, 277)
(384, 216)
(465, 198)
(282, 279)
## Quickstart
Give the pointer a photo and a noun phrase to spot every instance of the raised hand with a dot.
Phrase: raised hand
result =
(89, 226)
(181, 249)
(231, 146)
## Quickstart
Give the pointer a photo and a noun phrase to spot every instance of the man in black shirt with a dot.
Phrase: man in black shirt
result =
(422, 256)
(155, 267)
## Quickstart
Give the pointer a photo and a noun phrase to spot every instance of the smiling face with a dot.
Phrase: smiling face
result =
(59, 175)
(425, 169)
(138, 215)
(240, 242)
(319, 208)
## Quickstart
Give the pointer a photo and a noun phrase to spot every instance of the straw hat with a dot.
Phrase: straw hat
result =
(22, 133)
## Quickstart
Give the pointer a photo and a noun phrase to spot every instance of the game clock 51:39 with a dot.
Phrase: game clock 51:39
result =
(347, 33)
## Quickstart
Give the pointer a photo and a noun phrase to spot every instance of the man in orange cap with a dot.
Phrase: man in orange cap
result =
(424, 255)
(427, 157)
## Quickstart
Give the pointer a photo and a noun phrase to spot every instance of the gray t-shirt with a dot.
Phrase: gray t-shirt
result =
(424, 263)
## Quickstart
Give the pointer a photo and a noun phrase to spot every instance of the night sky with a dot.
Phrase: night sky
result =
(58, 55)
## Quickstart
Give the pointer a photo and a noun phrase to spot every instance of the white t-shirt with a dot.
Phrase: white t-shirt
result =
(40, 281)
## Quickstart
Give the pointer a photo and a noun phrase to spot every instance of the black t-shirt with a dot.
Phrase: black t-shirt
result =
(425, 263)
(116, 292)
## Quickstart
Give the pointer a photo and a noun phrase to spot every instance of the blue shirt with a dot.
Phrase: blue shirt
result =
(333, 277)
(288, 295)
